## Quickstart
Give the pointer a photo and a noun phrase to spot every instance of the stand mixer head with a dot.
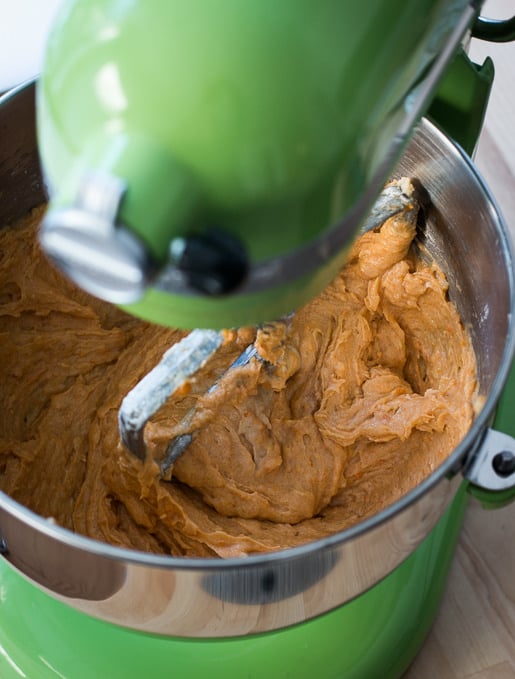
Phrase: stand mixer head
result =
(209, 165)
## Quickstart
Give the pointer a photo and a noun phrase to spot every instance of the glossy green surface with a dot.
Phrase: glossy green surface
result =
(460, 103)
(263, 118)
(234, 310)
(375, 636)
(504, 419)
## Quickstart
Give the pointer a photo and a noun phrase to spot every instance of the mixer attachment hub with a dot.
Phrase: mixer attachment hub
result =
(213, 263)
(100, 255)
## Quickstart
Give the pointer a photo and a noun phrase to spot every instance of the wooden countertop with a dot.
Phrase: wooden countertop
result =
(474, 634)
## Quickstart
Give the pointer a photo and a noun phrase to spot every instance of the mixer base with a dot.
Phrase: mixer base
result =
(376, 636)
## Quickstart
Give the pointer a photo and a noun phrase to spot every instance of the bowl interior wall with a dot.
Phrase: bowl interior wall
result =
(462, 232)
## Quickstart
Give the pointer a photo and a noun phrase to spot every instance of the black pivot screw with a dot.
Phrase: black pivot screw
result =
(213, 262)
(504, 463)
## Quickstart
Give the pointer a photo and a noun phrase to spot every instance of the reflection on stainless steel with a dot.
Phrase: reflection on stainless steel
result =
(212, 598)
(56, 565)
(235, 599)
(280, 581)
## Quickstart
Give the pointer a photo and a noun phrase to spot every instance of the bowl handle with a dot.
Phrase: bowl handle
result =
(494, 30)
(491, 471)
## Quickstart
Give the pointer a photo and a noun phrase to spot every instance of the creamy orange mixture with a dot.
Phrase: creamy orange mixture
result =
(366, 394)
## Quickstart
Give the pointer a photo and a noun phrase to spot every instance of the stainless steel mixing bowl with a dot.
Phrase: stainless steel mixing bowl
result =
(210, 597)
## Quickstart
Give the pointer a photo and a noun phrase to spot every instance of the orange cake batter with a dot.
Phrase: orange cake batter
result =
(368, 391)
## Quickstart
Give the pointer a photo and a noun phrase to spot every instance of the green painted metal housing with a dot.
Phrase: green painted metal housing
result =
(264, 119)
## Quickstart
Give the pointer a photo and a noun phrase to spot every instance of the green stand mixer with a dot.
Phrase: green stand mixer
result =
(209, 165)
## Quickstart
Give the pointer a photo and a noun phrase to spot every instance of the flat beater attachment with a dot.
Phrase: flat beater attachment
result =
(178, 364)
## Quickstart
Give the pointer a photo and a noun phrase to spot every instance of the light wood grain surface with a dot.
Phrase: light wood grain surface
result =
(474, 634)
